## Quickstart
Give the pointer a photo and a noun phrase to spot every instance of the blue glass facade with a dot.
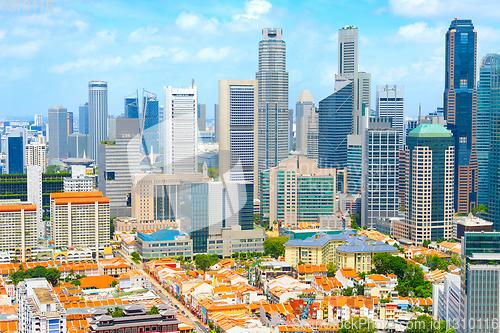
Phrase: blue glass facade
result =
(131, 107)
(83, 118)
(335, 124)
(16, 154)
(150, 130)
(494, 140)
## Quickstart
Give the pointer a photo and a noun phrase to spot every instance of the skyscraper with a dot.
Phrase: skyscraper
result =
(390, 103)
(216, 122)
(58, 132)
(364, 90)
(460, 109)
(83, 118)
(34, 182)
(334, 124)
(39, 120)
(180, 148)
(70, 123)
(429, 168)
(273, 99)
(489, 72)
(36, 154)
(489, 102)
(98, 116)
(131, 107)
(306, 119)
(202, 117)
(150, 127)
(238, 124)
(78, 145)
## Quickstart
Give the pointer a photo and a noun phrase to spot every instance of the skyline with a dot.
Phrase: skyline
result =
(135, 45)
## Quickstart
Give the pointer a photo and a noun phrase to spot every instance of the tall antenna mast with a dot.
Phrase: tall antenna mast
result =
(192, 83)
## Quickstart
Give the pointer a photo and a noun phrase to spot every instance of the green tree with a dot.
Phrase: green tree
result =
(354, 225)
(118, 312)
(202, 262)
(114, 283)
(426, 243)
(480, 209)
(450, 330)
(135, 257)
(360, 289)
(154, 310)
(301, 263)
(331, 269)
(76, 283)
(425, 324)
(111, 227)
(274, 246)
(357, 325)
(53, 275)
(236, 255)
(349, 291)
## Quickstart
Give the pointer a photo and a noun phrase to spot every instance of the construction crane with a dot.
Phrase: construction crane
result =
(348, 211)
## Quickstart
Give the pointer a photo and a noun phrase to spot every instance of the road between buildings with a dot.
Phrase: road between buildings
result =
(198, 326)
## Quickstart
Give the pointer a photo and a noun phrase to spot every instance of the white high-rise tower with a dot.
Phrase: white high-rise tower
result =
(98, 116)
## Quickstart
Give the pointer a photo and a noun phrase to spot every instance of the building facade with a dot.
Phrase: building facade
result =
(78, 145)
(58, 132)
(460, 109)
(180, 147)
(306, 120)
(131, 107)
(150, 127)
(98, 117)
(390, 103)
(164, 243)
(16, 151)
(36, 154)
(429, 184)
(273, 99)
(202, 117)
(83, 118)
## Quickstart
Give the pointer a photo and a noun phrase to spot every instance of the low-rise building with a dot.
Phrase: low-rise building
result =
(326, 286)
(306, 273)
(39, 308)
(230, 240)
(132, 224)
(348, 277)
(164, 243)
(128, 244)
(113, 267)
(470, 223)
(132, 279)
(269, 270)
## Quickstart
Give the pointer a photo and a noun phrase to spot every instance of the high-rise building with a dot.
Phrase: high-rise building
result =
(446, 297)
(58, 132)
(80, 219)
(202, 117)
(131, 107)
(216, 122)
(238, 126)
(273, 99)
(70, 122)
(39, 120)
(306, 120)
(119, 160)
(480, 268)
(35, 188)
(150, 126)
(18, 231)
(98, 117)
(111, 128)
(334, 124)
(410, 125)
(364, 90)
(180, 148)
(489, 71)
(492, 105)
(429, 186)
(83, 118)
(296, 192)
(39, 307)
(16, 151)
(380, 195)
(390, 103)
(78, 145)
(460, 110)
(36, 154)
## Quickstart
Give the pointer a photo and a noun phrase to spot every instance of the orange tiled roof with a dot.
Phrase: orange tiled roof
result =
(311, 269)
(99, 282)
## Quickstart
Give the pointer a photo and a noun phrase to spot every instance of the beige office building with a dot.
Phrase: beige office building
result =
(36, 154)
(238, 127)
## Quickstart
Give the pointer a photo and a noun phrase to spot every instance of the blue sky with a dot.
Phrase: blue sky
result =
(47, 58)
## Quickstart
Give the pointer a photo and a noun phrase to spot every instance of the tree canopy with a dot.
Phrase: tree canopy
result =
(204, 261)
(425, 324)
(274, 246)
(357, 325)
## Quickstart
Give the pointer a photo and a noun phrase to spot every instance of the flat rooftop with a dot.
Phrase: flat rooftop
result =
(44, 296)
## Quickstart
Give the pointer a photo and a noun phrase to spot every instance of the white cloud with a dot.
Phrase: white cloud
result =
(394, 74)
(106, 36)
(101, 64)
(210, 54)
(194, 21)
(487, 34)
(148, 53)
(19, 73)
(415, 7)
(2, 34)
(254, 9)
(419, 32)
(431, 69)
(25, 50)
(27, 32)
(328, 76)
(142, 34)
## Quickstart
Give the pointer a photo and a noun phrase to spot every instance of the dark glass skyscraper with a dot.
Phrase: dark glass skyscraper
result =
(83, 118)
(131, 107)
(492, 101)
(15, 153)
(460, 110)
(150, 128)
(335, 124)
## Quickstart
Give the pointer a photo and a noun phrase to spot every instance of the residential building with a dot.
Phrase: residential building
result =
(113, 267)
(35, 188)
(80, 219)
(489, 70)
(58, 132)
(39, 308)
(267, 271)
(460, 110)
(79, 180)
(429, 185)
(78, 145)
(83, 118)
(132, 279)
(390, 103)
(446, 301)
(494, 138)
(18, 227)
(36, 154)
(307, 273)
(237, 130)
(306, 120)
(131, 106)
(98, 117)
(119, 160)
(470, 223)
(480, 267)
(334, 123)
(380, 196)
(150, 127)
(296, 191)
(16, 151)
(202, 117)
(164, 243)
(180, 147)
(273, 99)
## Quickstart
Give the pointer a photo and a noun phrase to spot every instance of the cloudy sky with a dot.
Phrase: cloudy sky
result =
(47, 58)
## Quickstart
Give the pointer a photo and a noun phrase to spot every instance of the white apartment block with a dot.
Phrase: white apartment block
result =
(180, 147)
(80, 219)
(39, 308)
(36, 154)
(84, 184)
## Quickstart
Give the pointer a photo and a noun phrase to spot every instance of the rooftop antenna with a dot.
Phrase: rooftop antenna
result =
(419, 111)
(192, 83)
